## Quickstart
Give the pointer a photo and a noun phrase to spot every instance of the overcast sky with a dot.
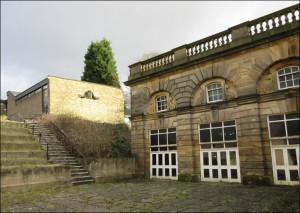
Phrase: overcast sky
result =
(51, 38)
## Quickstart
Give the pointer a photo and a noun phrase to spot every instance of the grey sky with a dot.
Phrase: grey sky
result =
(51, 38)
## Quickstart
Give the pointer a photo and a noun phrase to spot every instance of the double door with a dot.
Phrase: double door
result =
(164, 165)
(286, 165)
(220, 165)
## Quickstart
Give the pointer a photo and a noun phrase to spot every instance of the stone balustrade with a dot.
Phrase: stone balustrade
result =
(233, 37)
(274, 20)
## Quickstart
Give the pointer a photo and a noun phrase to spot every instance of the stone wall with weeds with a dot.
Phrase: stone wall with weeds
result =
(93, 139)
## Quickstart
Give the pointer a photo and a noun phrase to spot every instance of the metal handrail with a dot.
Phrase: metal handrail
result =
(68, 142)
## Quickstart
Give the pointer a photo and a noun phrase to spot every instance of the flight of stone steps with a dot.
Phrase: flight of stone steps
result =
(57, 153)
(19, 149)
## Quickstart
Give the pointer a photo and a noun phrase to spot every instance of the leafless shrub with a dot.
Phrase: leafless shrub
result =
(93, 139)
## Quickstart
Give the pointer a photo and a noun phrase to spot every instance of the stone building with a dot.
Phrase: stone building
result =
(55, 95)
(224, 108)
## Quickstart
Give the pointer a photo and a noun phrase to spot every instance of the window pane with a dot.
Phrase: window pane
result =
(291, 116)
(279, 142)
(205, 146)
(215, 173)
(277, 129)
(224, 173)
(162, 139)
(172, 147)
(163, 148)
(154, 148)
(216, 124)
(232, 156)
(230, 145)
(293, 127)
(282, 85)
(294, 141)
(287, 70)
(230, 133)
(280, 72)
(214, 158)
(154, 140)
(173, 159)
(153, 171)
(204, 126)
(167, 172)
(153, 159)
(160, 172)
(172, 129)
(228, 123)
(217, 134)
(223, 158)
(166, 159)
(296, 82)
(154, 131)
(279, 157)
(172, 138)
(174, 173)
(218, 145)
(289, 83)
(234, 173)
(295, 69)
(294, 175)
(281, 174)
(205, 158)
(159, 159)
(162, 130)
(206, 173)
(205, 135)
(276, 117)
(292, 157)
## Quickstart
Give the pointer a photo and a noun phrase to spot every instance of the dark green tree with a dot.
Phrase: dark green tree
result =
(100, 65)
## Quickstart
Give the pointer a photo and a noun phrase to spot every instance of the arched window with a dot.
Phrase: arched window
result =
(288, 77)
(161, 103)
(214, 92)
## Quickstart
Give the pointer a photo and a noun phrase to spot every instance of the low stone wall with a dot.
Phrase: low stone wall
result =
(111, 169)
(25, 178)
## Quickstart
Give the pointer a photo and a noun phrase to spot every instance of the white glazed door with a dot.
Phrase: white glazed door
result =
(164, 165)
(286, 165)
(220, 165)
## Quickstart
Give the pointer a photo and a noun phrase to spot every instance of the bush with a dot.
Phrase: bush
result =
(187, 177)
(94, 139)
(256, 180)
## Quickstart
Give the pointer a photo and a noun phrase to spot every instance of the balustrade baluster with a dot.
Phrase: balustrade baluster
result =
(291, 17)
(282, 20)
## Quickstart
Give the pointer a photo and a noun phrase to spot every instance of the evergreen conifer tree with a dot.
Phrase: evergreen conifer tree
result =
(100, 65)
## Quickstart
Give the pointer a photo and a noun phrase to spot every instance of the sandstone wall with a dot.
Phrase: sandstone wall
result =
(66, 97)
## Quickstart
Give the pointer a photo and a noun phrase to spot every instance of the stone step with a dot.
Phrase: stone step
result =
(12, 124)
(15, 131)
(16, 138)
(75, 173)
(82, 182)
(22, 161)
(20, 146)
(23, 154)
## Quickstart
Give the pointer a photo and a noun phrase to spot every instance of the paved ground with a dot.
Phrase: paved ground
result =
(154, 196)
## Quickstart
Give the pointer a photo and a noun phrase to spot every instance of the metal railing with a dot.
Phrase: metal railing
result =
(71, 147)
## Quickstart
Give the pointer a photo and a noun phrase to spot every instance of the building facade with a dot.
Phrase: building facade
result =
(55, 95)
(222, 108)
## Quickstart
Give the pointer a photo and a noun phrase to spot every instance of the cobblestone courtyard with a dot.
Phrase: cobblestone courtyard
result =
(154, 196)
